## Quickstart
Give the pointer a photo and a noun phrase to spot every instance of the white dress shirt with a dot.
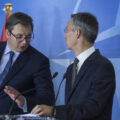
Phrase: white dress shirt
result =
(83, 56)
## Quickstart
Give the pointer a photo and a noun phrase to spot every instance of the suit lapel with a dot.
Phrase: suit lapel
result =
(2, 47)
(17, 66)
(68, 81)
(86, 65)
(78, 79)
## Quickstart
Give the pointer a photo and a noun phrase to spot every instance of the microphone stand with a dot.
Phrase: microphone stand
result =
(53, 108)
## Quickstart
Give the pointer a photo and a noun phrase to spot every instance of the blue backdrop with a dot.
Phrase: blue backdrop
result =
(50, 18)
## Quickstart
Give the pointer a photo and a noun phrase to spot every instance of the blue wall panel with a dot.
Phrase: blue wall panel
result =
(50, 18)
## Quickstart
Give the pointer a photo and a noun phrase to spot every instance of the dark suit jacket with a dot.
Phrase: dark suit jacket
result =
(91, 96)
(31, 69)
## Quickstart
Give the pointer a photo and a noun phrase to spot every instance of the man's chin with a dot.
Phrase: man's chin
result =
(21, 50)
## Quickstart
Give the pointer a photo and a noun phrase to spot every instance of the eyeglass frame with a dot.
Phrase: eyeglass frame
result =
(23, 38)
(66, 30)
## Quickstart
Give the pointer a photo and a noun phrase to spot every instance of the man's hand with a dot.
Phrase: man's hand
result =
(42, 110)
(14, 95)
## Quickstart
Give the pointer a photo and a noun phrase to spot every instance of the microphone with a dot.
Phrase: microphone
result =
(27, 91)
(52, 112)
(54, 75)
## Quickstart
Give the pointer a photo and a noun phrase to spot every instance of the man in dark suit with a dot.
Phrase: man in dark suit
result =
(90, 82)
(28, 69)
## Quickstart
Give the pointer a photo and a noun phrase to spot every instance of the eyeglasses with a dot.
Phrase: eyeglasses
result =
(20, 38)
(66, 30)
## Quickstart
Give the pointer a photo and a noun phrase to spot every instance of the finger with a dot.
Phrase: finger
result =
(9, 88)
(36, 109)
(7, 91)
(41, 113)
(12, 96)
(11, 92)
(6, 87)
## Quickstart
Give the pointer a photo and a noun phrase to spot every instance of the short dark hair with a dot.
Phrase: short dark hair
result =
(18, 18)
(88, 25)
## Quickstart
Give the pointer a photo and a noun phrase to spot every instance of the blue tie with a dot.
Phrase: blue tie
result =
(7, 67)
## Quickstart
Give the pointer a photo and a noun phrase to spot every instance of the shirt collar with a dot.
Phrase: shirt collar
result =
(7, 49)
(84, 55)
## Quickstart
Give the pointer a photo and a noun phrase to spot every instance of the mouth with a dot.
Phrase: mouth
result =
(23, 47)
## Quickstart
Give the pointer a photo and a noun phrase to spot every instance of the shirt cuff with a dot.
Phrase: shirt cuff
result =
(24, 107)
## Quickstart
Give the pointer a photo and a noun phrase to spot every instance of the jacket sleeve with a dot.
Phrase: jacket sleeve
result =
(44, 93)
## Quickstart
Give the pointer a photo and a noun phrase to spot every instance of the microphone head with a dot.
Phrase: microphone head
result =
(54, 75)
(65, 75)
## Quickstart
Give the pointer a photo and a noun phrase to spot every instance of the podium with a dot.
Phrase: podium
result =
(24, 117)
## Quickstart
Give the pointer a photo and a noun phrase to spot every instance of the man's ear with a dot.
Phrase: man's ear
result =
(7, 33)
(78, 33)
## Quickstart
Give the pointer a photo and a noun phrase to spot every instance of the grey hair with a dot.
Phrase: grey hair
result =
(88, 25)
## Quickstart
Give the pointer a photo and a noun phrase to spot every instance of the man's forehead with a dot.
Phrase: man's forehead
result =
(69, 24)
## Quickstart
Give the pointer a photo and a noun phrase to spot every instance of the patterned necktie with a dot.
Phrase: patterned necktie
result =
(74, 74)
(7, 67)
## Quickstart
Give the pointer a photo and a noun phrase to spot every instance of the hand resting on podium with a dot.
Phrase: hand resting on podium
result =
(42, 110)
